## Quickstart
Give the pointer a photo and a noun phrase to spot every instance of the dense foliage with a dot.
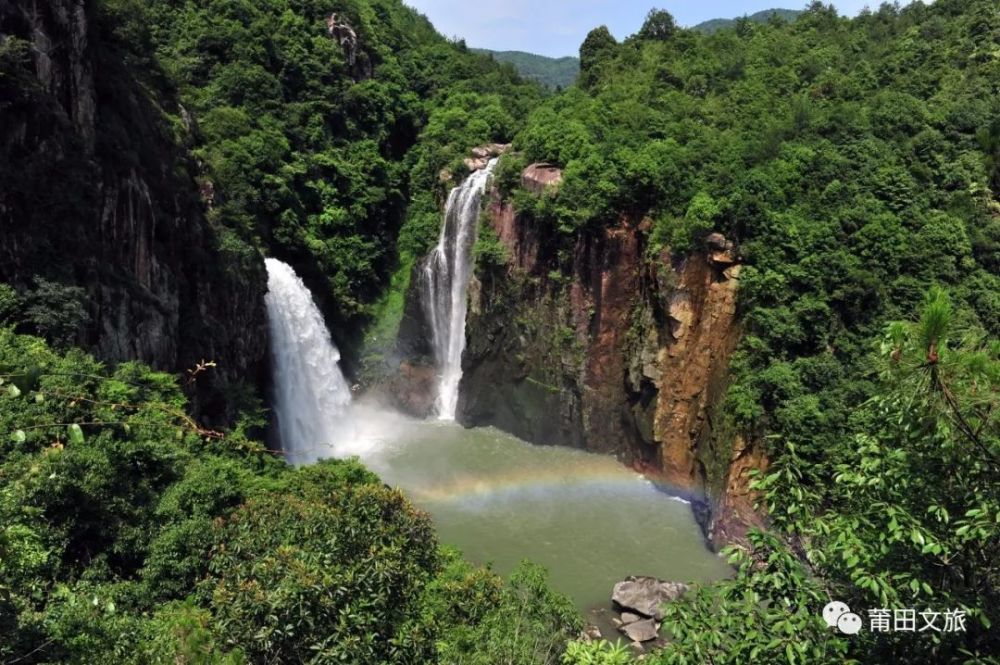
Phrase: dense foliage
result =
(318, 143)
(854, 164)
(130, 535)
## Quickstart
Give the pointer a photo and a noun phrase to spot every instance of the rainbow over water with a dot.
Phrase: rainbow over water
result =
(586, 478)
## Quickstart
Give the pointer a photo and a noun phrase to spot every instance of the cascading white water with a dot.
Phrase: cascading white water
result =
(310, 391)
(446, 282)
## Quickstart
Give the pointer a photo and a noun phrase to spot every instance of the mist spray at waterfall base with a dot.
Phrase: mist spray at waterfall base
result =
(586, 518)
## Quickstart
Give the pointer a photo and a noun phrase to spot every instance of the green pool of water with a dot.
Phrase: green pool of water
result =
(589, 520)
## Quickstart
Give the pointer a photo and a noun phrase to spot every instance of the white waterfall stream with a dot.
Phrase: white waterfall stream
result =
(446, 283)
(310, 391)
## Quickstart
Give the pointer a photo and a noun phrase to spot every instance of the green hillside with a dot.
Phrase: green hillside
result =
(716, 24)
(550, 72)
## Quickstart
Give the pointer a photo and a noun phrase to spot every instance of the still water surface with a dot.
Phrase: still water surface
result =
(589, 520)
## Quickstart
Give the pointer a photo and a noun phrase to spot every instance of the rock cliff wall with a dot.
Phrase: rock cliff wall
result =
(624, 352)
(97, 194)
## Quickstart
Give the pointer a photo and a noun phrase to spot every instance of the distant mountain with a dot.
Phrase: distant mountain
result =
(562, 72)
(716, 24)
(550, 72)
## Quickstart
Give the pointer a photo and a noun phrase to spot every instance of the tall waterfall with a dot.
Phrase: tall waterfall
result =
(310, 391)
(446, 283)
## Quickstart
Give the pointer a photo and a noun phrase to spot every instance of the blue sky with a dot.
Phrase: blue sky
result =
(556, 27)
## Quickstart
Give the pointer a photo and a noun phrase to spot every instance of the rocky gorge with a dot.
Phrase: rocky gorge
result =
(620, 349)
(327, 338)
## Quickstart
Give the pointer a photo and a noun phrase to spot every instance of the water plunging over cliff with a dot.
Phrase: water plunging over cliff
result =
(310, 391)
(446, 282)
(586, 517)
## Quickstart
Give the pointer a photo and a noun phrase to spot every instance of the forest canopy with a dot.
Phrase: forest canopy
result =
(853, 162)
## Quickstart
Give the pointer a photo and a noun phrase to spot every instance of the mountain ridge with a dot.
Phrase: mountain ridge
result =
(714, 25)
(550, 72)
(561, 72)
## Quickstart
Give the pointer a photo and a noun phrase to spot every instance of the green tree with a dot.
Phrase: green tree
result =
(598, 47)
(659, 25)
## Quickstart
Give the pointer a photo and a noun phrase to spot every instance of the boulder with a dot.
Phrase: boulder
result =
(641, 631)
(718, 242)
(645, 595)
(537, 177)
(722, 259)
(481, 155)
(721, 251)
(489, 150)
(476, 163)
(629, 617)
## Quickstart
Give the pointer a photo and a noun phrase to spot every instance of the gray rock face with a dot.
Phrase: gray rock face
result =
(346, 36)
(125, 222)
(646, 595)
(641, 631)
(629, 617)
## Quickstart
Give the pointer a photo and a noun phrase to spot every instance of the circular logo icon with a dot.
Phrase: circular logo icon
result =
(833, 611)
(849, 623)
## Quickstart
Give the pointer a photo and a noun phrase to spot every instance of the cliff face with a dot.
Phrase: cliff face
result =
(624, 353)
(97, 194)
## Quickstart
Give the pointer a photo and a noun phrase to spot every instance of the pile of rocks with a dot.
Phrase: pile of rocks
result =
(482, 155)
(640, 601)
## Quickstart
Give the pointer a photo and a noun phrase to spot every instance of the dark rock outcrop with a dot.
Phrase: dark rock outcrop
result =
(412, 390)
(342, 32)
(97, 194)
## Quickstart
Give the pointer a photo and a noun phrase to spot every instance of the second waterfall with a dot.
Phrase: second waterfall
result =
(446, 275)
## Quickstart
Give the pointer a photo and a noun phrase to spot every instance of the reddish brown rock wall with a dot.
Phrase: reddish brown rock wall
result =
(627, 353)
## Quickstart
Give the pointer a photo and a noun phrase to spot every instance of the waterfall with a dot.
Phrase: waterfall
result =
(310, 391)
(446, 282)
